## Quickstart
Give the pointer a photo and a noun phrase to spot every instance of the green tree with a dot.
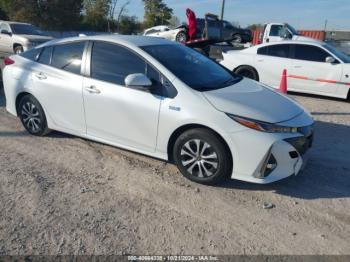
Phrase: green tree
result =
(21, 10)
(129, 25)
(60, 14)
(156, 13)
(96, 13)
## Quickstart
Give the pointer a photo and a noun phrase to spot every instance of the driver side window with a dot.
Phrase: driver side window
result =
(5, 27)
(276, 30)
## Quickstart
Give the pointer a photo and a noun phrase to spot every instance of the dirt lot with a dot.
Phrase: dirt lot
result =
(66, 195)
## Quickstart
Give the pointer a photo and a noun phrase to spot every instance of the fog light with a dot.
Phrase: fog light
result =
(269, 165)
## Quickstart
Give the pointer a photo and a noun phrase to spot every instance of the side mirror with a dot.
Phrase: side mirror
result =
(5, 32)
(330, 60)
(138, 81)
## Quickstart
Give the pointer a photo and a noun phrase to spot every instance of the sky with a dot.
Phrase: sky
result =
(302, 14)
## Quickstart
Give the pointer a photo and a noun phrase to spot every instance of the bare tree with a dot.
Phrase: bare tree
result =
(121, 12)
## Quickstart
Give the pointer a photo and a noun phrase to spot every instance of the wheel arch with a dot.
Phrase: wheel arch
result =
(19, 97)
(16, 45)
(180, 130)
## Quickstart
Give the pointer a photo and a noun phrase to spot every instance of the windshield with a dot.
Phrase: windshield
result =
(24, 29)
(192, 68)
(292, 29)
(342, 56)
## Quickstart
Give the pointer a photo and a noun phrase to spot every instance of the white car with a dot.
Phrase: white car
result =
(178, 34)
(161, 99)
(313, 67)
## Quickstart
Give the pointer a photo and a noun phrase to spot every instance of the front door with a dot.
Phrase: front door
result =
(270, 63)
(6, 42)
(115, 113)
(311, 73)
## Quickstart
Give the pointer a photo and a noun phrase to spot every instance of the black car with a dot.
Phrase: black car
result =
(224, 30)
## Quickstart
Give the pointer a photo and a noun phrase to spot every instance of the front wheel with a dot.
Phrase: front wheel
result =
(202, 157)
(248, 72)
(18, 50)
(32, 116)
(237, 39)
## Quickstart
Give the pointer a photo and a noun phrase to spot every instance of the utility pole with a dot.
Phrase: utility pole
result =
(222, 9)
(325, 25)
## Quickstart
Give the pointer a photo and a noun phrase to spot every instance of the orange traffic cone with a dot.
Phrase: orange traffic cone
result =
(283, 85)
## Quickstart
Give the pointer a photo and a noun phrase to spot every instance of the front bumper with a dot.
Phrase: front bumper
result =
(264, 158)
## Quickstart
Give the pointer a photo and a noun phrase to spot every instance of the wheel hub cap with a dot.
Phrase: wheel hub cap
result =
(199, 158)
(30, 116)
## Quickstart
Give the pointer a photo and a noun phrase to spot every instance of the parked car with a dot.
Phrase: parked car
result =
(276, 32)
(313, 67)
(218, 29)
(17, 37)
(178, 34)
(161, 99)
(225, 30)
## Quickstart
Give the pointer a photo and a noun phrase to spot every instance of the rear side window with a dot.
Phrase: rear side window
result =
(310, 53)
(275, 50)
(68, 57)
(32, 54)
(113, 63)
(45, 56)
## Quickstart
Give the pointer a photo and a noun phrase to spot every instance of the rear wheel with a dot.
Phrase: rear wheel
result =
(32, 116)
(202, 157)
(181, 37)
(248, 72)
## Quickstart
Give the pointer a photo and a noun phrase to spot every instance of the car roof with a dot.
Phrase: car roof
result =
(132, 40)
(13, 22)
(298, 42)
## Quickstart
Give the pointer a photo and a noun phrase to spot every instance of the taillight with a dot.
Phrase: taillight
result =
(8, 61)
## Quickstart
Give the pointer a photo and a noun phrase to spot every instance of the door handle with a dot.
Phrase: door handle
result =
(92, 90)
(260, 60)
(41, 76)
(297, 66)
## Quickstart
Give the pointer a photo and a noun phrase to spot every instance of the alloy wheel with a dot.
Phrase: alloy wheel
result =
(31, 117)
(199, 158)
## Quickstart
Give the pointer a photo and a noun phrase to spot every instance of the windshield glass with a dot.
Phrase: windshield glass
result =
(342, 56)
(23, 29)
(292, 30)
(192, 68)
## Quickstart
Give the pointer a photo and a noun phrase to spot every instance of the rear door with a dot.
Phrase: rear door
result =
(311, 73)
(271, 61)
(58, 85)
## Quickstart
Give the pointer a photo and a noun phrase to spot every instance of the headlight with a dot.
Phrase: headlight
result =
(263, 126)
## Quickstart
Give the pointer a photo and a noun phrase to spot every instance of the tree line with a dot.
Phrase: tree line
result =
(92, 15)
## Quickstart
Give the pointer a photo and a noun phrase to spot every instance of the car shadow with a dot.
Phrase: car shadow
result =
(327, 174)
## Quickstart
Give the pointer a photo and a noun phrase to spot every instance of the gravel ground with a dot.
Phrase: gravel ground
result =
(65, 195)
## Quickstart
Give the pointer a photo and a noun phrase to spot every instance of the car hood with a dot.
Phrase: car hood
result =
(253, 100)
(37, 38)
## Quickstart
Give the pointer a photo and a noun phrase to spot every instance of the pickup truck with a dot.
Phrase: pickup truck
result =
(274, 32)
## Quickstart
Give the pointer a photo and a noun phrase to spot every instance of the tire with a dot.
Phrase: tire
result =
(32, 116)
(237, 39)
(181, 37)
(248, 72)
(206, 166)
(18, 49)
